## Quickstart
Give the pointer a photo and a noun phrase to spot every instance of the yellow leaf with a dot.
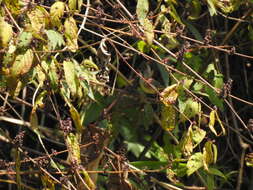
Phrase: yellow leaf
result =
(38, 18)
(70, 76)
(168, 117)
(221, 125)
(5, 32)
(209, 154)
(22, 64)
(169, 95)
(73, 147)
(75, 5)
(71, 33)
(212, 122)
(56, 12)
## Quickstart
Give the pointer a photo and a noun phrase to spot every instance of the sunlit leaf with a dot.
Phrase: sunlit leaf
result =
(71, 33)
(73, 148)
(56, 12)
(24, 39)
(198, 135)
(70, 76)
(55, 39)
(194, 163)
(38, 18)
(212, 120)
(186, 143)
(5, 32)
(211, 7)
(209, 154)
(188, 109)
(22, 64)
(142, 9)
(169, 95)
(75, 5)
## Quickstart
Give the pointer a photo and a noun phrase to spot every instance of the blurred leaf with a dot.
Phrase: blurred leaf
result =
(211, 7)
(70, 77)
(135, 148)
(148, 31)
(213, 97)
(216, 172)
(71, 33)
(169, 95)
(75, 5)
(212, 120)
(56, 12)
(22, 64)
(188, 109)
(24, 39)
(39, 19)
(48, 183)
(209, 154)
(195, 9)
(142, 9)
(186, 143)
(76, 118)
(194, 163)
(55, 39)
(168, 117)
(149, 164)
(173, 13)
(143, 47)
(73, 149)
(198, 135)
(6, 32)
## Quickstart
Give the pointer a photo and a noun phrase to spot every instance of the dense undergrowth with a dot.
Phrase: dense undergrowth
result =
(110, 94)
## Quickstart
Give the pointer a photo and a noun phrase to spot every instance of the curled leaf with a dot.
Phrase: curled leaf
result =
(169, 95)
(209, 154)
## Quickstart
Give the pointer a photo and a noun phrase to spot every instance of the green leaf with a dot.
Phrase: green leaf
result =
(195, 9)
(55, 39)
(142, 9)
(56, 12)
(71, 33)
(189, 109)
(215, 171)
(213, 97)
(6, 32)
(198, 135)
(22, 64)
(168, 117)
(135, 148)
(70, 76)
(194, 163)
(24, 39)
(211, 7)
